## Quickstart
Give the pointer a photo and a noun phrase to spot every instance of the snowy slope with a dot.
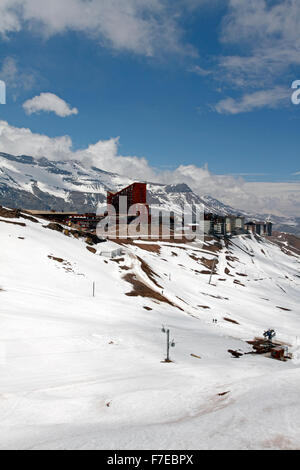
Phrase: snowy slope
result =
(79, 372)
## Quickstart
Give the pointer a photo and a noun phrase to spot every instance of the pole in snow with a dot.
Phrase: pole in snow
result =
(212, 269)
(169, 343)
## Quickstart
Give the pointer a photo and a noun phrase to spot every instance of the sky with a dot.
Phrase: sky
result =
(195, 91)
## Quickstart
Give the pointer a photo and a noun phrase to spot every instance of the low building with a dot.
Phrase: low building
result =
(87, 221)
(52, 215)
(260, 228)
(223, 225)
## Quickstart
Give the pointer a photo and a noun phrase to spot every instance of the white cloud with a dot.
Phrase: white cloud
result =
(200, 71)
(141, 26)
(274, 98)
(267, 33)
(21, 141)
(278, 198)
(274, 198)
(48, 102)
(8, 19)
(15, 79)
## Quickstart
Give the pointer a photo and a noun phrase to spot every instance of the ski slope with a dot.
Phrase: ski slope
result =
(79, 372)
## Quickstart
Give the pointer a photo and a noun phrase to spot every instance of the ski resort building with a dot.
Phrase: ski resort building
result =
(223, 225)
(136, 193)
(265, 229)
(87, 221)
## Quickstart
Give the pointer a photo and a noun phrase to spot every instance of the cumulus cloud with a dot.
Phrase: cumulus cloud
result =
(276, 198)
(21, 141)
(49, 103)
(274, 98)
(140, 26)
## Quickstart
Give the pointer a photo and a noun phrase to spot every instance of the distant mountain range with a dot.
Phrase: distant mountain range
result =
(38, 183)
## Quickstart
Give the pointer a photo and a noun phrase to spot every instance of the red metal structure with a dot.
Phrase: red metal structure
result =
(136, 193)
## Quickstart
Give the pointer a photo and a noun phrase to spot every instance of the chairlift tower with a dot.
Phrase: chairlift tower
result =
(169, 343)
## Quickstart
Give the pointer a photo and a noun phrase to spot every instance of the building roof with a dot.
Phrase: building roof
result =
(124, 189)
(35, 212)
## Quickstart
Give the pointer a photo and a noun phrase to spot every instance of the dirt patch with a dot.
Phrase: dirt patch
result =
(124, 268)
(236, 281)
(15, 214)
(59, 260)
(242, 275)
(147, 247)
(142, 290)
(223, 394)
(54, 226)
(263, 346)
(209, 263)
(231, 321)
(65, 264)
(118, 260)
(215, 296)
(20, 224)
(231, 258)
(148, 308)
(216, 247)
(195, 258)
(10, 213)
(235, 354)
(227, 271)
(28, 217)
(90, 238)
(91, 249)
(203, 306)
(288, 243)
(181, 300)
(284, 309)
(149, 272)
(258, 341)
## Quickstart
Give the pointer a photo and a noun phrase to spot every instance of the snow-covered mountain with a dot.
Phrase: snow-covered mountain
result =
(84, 372)
(38, 183)
(42, 184)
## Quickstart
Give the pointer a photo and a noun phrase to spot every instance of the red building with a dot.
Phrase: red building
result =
(136, 193)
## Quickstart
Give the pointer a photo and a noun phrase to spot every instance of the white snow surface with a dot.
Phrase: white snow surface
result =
(79, 372)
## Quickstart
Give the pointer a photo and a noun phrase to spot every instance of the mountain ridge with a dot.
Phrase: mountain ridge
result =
(42, 184)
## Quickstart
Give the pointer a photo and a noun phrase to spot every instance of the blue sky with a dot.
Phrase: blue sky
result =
(182, 83)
